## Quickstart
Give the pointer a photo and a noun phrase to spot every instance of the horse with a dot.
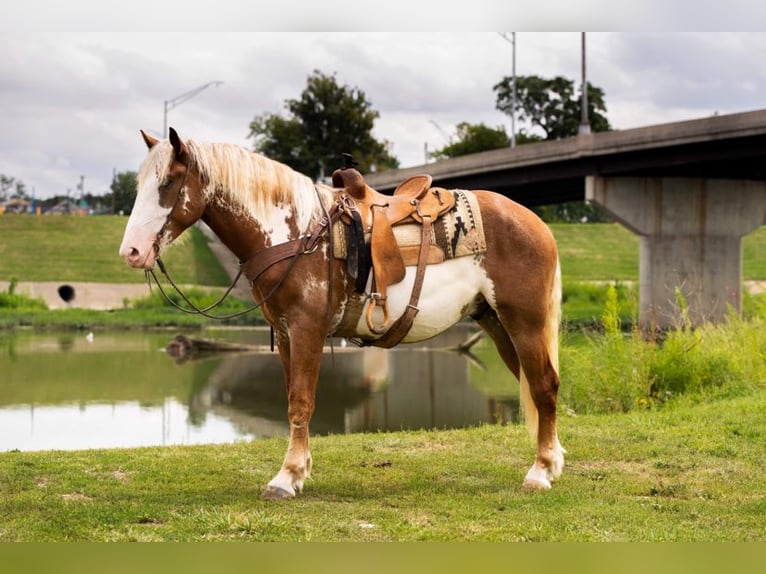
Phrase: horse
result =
(278, 223)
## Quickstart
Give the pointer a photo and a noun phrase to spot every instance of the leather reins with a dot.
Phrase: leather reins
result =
(253, 267)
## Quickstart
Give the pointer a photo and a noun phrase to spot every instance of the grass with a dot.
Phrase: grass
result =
(641, 476)
(93, 257)
(665, 437)
(598, 251)
(72, 248)
(68, 248)
(591, 256)
(609, 252)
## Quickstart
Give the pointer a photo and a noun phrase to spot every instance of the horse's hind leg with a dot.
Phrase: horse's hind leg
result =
(538, 400)
(539, 393)
(492, 327)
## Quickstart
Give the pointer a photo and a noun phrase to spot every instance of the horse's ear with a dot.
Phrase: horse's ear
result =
(149, 140)
(178, 146)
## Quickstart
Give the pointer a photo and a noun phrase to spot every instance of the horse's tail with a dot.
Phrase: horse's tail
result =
(551, 335)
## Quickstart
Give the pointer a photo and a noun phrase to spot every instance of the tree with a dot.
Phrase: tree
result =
(5, 185)
(124, 189)
(551, 105)
(12, 188)
(571, 212)
(327, 121)
(473, 138)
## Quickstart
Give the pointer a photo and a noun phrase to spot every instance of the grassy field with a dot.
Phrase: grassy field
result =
(590, 255)
(67, 248)
(665, 442)
(70, 248)
(691, 473)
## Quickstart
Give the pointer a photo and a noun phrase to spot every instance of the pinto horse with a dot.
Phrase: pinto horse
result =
(257, 207)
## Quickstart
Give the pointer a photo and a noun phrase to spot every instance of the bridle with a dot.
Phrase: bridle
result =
(260, 262)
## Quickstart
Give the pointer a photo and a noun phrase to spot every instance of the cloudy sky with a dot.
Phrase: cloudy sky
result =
(72, 101)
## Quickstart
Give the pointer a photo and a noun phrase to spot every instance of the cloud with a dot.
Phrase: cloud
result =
(71, 104)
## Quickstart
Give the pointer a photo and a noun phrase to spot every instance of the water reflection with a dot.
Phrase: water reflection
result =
(72, 391)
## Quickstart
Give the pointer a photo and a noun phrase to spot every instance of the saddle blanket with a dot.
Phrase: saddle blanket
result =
(458, 233)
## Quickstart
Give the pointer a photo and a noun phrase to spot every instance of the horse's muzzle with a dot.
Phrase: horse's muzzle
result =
(138, 258)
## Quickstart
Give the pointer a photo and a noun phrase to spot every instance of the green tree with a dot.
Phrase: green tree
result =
(326, 121)
(552, 105)
(5, 185)
(571, 212)
(473, 138)
(12, 188)
(123, 192)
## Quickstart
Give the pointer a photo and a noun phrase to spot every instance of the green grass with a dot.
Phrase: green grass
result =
(609, 252)
(596, 252)
(691, 473)
(591, 255)
(72, 248)
(68, 248)
(665, 439)
(753, 259)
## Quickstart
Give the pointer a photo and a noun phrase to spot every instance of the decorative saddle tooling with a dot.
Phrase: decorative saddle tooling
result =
(382, 234)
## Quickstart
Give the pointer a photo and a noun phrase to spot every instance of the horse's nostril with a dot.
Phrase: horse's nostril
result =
(130, 254)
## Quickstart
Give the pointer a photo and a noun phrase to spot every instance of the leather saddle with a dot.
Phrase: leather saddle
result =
(372, 216)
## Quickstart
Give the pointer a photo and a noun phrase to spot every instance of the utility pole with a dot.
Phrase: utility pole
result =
(512, 40)
(584, 122)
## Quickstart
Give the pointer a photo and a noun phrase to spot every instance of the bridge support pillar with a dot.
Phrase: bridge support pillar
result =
(691, 230)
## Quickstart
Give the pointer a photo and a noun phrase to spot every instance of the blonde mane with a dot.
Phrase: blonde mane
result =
(252, 183)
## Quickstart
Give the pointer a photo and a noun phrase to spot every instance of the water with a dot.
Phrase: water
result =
(75, 391)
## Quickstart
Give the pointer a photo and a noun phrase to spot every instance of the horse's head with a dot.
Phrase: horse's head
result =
(169, 200)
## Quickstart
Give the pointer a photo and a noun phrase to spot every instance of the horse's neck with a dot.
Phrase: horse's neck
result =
(248, 227)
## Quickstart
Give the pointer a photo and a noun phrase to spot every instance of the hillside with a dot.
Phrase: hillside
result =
(69, 248)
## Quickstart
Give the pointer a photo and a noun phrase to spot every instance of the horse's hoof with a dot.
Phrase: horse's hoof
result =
(276, 493)
(537, 479)
(534, 484)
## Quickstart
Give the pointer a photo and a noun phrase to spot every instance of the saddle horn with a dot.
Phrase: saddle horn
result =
(348, 161)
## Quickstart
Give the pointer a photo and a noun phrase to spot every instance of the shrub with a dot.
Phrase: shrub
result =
(12, 300)
(618, 372)
(582, 302)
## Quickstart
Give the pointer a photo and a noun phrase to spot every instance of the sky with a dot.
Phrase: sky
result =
(72, 99)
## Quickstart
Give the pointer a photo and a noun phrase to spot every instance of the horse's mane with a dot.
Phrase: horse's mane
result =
(252, 182)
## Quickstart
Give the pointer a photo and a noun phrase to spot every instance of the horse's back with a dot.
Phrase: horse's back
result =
(510, 226)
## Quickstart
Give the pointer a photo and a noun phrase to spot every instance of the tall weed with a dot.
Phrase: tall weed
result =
(11, 300)
(616, 371)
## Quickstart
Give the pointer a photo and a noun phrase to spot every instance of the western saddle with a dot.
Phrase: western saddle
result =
(371, 216)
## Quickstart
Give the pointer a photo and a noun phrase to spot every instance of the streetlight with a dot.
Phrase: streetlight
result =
(444, 135)
(178, 100)
(511, 38)
(584, 122)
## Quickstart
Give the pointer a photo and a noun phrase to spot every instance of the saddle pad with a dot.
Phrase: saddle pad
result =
(458, 233)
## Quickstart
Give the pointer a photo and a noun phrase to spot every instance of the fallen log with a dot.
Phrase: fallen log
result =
(183, 348)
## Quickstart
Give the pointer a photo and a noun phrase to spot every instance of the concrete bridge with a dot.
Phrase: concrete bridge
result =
(691, 190)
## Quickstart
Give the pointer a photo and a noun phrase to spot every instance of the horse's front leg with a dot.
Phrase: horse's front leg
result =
(301, 358)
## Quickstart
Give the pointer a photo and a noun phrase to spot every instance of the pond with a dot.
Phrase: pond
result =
(123, 389)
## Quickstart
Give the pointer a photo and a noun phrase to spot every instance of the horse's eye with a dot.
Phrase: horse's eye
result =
(165, 185)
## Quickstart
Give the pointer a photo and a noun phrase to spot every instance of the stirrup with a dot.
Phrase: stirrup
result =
(375, 298)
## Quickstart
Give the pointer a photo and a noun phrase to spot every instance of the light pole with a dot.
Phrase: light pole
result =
(178, 100)
(447, 138)
(445, 135)
(584, 122)
(511, 38)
